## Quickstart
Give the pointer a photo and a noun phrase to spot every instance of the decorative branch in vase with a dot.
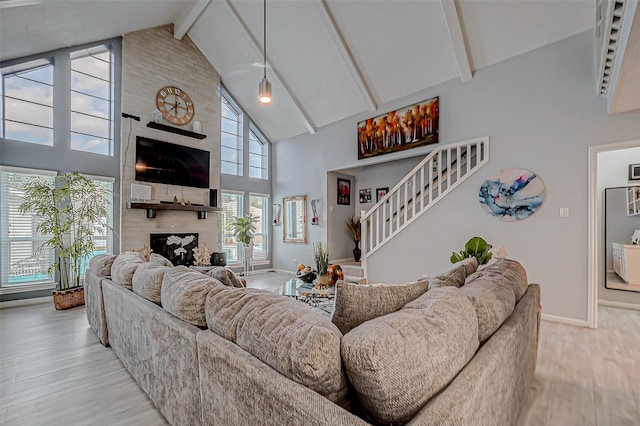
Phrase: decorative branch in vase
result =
(354, 225)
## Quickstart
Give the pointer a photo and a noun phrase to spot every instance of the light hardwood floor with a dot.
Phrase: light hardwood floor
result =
(54, 372)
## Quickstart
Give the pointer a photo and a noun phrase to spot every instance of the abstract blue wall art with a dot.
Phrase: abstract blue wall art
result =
(512, 194)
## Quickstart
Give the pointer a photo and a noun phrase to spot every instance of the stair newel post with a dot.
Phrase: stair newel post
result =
(364, 240)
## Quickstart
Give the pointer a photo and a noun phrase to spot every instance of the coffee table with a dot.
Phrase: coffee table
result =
(298, 289)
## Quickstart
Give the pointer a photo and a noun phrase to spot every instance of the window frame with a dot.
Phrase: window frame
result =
(223, 235)
(266, 227)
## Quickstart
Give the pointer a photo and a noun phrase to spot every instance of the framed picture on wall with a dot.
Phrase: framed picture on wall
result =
(634, 171)
(344, 191)
(404, 128)
(381, 192)
(365, 196)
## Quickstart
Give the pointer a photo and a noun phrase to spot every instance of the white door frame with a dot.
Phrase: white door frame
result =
(594, 221)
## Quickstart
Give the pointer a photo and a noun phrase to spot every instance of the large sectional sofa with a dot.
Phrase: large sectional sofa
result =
(458, 349)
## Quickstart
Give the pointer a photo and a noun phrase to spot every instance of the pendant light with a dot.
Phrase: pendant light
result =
(264, 87)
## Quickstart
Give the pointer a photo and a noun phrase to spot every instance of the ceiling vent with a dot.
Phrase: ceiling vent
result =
(609, 19)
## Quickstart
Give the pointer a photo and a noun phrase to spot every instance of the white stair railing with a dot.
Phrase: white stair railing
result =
(432, 179)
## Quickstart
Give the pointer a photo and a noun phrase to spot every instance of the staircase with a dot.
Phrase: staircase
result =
(431, 180)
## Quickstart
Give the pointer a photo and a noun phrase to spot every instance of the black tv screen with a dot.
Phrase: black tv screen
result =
(164, 162)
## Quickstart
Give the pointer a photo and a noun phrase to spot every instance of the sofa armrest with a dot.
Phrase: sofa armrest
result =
(238, 388)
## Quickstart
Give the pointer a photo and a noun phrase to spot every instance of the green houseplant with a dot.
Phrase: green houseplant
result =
(69, 212)
(321, 255)
(244, 229)
(476, 247)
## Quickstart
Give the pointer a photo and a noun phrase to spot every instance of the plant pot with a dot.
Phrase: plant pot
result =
(356, 251)
(248, 252)
(66, 299)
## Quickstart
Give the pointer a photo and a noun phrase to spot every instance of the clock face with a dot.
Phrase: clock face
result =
(175, 105)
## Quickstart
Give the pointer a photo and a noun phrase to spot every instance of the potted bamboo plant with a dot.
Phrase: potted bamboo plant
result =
(321, 256)
(69, 211)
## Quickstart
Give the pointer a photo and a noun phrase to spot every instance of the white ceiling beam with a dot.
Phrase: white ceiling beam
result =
(457, 38)
(183, 24)
(275, 75)
(338, 40)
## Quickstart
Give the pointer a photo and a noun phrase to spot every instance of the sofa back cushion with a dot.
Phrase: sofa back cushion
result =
(100, 264)
(124, 266)
(184, 292)
(355, 304)
(397, 362)
(284, 334)
(147, 281)
(508, 271)
(455, 276)
(160, 260)
(493, 301)
(225, 276)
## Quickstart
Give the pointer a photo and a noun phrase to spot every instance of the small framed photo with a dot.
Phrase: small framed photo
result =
(344, 191)
(381, 192)
(634, 171)
(365, 196)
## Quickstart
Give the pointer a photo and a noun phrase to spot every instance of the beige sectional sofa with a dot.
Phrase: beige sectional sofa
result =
(457, 350)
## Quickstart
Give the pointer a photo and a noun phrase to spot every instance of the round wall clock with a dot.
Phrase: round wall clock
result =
(175, 105)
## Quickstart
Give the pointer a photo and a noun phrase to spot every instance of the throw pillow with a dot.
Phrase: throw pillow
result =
(225, 276)
(455, 276)
(397, 362)
(508, 271)
(355, 304)
(493, 301)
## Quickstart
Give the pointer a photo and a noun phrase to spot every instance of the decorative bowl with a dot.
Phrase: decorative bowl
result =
(308, 277)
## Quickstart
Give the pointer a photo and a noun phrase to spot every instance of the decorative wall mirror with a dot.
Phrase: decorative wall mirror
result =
(294, 219)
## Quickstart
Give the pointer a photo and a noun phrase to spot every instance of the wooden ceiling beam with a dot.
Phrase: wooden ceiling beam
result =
(183, 24)
(457, 38)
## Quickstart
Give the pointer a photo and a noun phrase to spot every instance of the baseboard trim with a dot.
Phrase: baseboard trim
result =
(565, 320)
(619, 305)
(25, 302)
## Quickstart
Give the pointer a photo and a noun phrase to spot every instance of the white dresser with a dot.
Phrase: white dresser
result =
(626, 262)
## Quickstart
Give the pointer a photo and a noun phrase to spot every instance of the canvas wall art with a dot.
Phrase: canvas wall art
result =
(405, 128)
(365, 196)
(380, 193)
(512, 194)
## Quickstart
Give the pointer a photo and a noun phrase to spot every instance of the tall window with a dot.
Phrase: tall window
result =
(232, 206)
(258, 156)
(92, 100)
(259, 208)
(21, 260)
(231, 138)
(27, 110)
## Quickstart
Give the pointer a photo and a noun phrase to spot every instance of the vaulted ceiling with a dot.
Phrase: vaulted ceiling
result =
(327, 59)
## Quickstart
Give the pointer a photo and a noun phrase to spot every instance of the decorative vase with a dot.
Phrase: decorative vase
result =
(66, 299)
(335, 273)
(322, 281)
(356, 251)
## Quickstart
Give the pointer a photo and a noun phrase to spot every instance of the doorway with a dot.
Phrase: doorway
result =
(607, 168)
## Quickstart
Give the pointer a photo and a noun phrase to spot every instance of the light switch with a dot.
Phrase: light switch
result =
(564, 211)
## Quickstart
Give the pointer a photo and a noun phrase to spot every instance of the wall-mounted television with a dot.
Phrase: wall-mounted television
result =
(164, 162)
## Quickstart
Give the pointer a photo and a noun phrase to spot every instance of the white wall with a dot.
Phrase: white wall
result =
(613, 171)
(541, 112)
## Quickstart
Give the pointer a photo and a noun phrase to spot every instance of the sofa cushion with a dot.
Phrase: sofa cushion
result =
(508, 271)
(101, 264)
(456, 275)
(184, 292)
(124, 267)
(225, 276)
(147, 281)
(284, 334)
(397, 362)
(355, 304)
(160, 260)
(493, 301)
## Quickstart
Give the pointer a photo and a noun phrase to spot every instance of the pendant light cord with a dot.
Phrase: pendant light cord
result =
(264, 47)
